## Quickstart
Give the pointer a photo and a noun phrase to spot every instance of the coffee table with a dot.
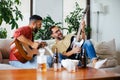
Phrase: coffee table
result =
(81, 74)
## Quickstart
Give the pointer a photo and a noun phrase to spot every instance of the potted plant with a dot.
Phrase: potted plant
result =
(9, 12)
(44, 32)
(73, 20)
(3, 32)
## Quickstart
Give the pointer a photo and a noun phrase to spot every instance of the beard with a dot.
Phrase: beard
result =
(35, 30)
(60, 37)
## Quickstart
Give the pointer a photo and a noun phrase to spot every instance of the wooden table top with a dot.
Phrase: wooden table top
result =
(33, 74)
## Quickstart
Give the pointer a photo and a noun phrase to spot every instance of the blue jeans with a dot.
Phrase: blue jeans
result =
(29, 64)
(89, 50)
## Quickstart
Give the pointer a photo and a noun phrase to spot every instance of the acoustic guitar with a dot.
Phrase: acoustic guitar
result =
(24, 52)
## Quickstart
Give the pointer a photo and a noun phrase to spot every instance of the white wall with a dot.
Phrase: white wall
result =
(109, 21)
(54, 8)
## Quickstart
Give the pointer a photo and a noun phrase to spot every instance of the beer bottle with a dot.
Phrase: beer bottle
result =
(83, 58)
(56, 56)
(57, 65)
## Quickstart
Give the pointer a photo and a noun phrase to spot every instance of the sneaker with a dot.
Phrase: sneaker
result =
(100, 64)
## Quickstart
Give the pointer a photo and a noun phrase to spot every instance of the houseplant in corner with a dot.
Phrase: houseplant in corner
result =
(9, 12)
(44, 33)
(73, 20)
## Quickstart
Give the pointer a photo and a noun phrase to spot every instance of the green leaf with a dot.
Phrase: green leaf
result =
(3, 33)
(0, 20)
(10, 13)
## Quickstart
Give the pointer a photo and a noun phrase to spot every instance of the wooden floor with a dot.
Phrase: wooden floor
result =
(81, 74)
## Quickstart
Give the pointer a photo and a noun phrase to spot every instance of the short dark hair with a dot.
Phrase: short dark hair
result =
(35, 17)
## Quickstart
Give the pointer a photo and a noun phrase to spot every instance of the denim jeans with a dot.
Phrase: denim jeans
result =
(32, 63)
(29, 64)
(89, 50)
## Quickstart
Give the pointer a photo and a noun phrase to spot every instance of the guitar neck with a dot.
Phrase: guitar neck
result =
(78, 34)
(79, 30)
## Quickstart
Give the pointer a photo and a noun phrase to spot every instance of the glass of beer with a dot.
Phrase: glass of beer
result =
(42, 62)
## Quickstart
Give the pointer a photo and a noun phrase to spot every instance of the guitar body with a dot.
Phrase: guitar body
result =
(73, 42)
(23, 54)
(22, 58)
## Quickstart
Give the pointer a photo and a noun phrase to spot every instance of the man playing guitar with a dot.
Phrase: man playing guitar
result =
(63, 44)
(24, 37)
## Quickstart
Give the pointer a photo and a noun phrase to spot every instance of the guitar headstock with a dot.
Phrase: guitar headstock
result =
(85, 11)
(79, 30)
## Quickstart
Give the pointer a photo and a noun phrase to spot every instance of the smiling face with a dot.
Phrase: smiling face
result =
(56, 33)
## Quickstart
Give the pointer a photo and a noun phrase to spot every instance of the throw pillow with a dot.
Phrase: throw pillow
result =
(5, 53)
(5, 47)
(106, 49)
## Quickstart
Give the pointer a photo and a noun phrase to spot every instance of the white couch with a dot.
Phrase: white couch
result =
(103, 49)
(4, 54)
(107, 50)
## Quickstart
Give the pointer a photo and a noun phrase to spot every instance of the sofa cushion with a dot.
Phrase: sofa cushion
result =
(106, 49)
(7, 67)
(6, 61)
(0, 57)
(5, 53)
(5, 47)
(118, 57)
